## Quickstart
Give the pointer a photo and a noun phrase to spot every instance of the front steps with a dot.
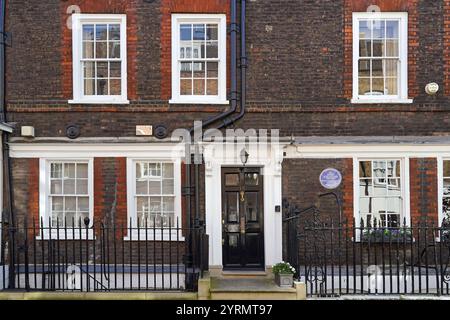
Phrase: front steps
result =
(247, 286)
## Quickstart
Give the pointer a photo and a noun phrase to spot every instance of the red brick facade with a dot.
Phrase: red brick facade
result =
(447, 47)
(423, 190)
(409, 6)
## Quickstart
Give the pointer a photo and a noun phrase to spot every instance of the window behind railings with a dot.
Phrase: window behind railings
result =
(380, 190)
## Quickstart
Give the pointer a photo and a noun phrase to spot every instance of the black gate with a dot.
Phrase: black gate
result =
(337, 258)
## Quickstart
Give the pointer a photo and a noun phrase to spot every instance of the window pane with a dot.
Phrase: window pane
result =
(168, 170)
(185, 32)
(212, 69)
(378, 29)
(378, 205)
(101, 50)
(88, 50)
(57, 203)
(364, 30)
(102, 69)
(70, 203)
(154, 187)
(391, 68)
(378, 86)
(115, 88)
(69, 170)
(186, 70)
(378, 48)
(446, 186)
(199, 32)
(186, 87)
(364, 68)
(212, 49)
(212, 32)
(89, 69)
(155, 205)
(89, 87)
(168, 204)
(392, 86)
(365, 48)
(199, 50)
(446, 168)
(377, 68)
(114, 50)
(365, 187)
(115, 69)
(199, 70)
(199, 87)
(114, 32)
(392, 48)
(212, 87)
(82, 170)
(56, 170)
(102, 87)
(365, 169)
(82, 186)
(101, 32)
(69, 186)
(141, 186)
(364, 86)
(392, 29)
(168, 186)
(88, 32)
(142, 204)
(83, 204)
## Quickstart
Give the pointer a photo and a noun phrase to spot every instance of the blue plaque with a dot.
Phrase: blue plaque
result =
(330, 178)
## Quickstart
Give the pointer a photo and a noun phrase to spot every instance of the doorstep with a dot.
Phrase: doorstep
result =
(247, 288)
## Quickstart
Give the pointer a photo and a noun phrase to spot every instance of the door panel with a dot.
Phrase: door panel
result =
(243, 223)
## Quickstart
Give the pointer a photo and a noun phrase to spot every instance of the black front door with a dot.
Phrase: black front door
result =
(242, 218)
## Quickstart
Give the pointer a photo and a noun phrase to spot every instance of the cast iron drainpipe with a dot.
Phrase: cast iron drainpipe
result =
(223, 116)
(5, 144)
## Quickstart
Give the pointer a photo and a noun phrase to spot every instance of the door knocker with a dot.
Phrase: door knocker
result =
(242, 193)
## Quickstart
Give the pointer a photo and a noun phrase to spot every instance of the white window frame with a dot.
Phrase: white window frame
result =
(440, 174)
(131, 206)
(404, 178)
(44, 204)
(177, 20)
(403, 55)
(77, 35)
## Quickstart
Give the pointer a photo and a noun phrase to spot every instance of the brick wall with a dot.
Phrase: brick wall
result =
(423, 190)
(301, 186)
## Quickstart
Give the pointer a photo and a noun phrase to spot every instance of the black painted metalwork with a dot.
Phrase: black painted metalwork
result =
(352, 257)
(98, 257)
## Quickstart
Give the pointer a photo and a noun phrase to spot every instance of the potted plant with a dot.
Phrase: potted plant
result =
(284, 274)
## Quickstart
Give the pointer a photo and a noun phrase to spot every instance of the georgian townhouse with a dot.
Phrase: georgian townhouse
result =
(353, 93)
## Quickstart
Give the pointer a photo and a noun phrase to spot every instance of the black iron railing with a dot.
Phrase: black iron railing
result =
(83, 256)
(355, 258)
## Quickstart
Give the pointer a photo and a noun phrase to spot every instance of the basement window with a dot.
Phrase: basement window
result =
(380, 58)
(199, 59)
(99, 58)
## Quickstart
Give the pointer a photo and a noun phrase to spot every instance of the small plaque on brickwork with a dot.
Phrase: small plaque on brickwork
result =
(144, 130)
(330, 178)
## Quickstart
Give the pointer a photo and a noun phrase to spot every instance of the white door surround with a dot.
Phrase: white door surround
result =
(269, 158)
